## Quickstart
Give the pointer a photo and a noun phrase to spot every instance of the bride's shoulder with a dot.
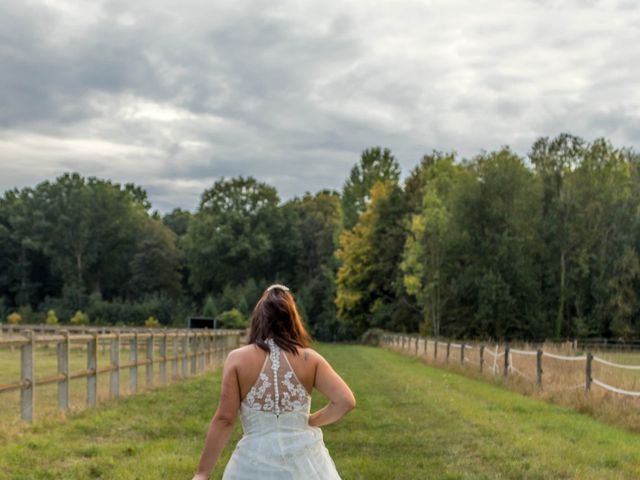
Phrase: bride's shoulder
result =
(308, 353)
(243, 352)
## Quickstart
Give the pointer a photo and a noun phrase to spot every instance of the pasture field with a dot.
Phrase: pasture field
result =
(46, 398)
(563, 374)
(412, 421)
(621, 356)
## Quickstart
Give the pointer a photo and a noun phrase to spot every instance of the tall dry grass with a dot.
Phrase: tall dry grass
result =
(563, 381)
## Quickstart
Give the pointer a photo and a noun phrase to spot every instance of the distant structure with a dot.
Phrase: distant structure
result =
(203, 322)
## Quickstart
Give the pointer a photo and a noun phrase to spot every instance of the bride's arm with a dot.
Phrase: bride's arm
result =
(223, 420)
(331, 385)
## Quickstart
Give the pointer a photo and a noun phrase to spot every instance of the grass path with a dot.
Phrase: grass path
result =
(412, 422)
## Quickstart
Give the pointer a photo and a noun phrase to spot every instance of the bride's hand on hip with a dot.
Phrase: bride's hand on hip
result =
(200, 476)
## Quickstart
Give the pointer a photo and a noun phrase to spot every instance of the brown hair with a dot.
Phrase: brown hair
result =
(276, 315)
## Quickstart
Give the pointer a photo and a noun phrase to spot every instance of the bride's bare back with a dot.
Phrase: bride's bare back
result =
(310, 368)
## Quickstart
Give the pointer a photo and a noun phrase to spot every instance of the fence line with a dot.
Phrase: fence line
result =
(201, 348)
(404, 342)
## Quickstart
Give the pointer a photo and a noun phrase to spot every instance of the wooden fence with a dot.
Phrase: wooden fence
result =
(187, 351)
(540, 367)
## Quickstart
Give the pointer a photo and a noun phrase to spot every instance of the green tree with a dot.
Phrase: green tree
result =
(51, 319)
(177, 220)
(210, 309)
(79, 318)
(233, 319)
(429, 238)
(368, 277)
(553, 161)
(494, 272)
(228, 238)
(375, 165)
(318, 225)
(156, 261)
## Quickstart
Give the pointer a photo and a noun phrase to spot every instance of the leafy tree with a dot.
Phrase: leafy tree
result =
(429, 238)
(375, 165)
(151, 322)
(370, 254)
(495, 272)
(228, 238)
(233, 319)
(51, 319)
(318, 225)
(156, 261)
(79, 318)
(88, 228)
(14, 318)
(209, 309)
(177, 220)
(553, 161)
(24, 269)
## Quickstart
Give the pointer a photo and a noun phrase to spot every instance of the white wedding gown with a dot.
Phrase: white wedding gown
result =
(278, 442)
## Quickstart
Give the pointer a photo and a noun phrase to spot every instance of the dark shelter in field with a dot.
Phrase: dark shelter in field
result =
(203, 322)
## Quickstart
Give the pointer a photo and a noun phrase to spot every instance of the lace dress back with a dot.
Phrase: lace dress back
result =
(277, 388)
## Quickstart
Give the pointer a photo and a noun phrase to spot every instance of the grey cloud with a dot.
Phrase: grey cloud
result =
(174, 96)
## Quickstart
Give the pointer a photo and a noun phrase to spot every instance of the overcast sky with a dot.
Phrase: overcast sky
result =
(174, 95)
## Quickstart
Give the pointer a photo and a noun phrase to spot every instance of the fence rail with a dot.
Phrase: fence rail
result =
(177, 346)
(500, 361)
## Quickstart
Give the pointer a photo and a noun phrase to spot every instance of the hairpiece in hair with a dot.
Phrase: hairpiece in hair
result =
(277, 285)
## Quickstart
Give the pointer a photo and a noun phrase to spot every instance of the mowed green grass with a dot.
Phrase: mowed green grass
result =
(412, 421)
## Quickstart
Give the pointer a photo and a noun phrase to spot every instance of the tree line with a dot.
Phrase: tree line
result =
(497, 246)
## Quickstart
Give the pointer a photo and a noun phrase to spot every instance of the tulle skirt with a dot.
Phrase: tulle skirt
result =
(280, 449)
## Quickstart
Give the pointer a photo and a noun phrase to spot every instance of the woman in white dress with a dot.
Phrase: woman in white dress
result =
(269, 382)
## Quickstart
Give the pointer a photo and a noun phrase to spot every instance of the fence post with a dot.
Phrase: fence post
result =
(193, 353)
(426, 344)
(208, 348)
(185, 354)
(202, 349)
(163, 358)
(150, 360)
(92, 366)
(115, 364)
(27, 364)
(417, 342)
(481, 357)
(435, 350)
(174, 362)
(589, 378)
(539, 367)
(448, 350)
(63, 368)
(506, 360)
(216, 354)
(133, 357)
(462, 354)
(196, 353)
